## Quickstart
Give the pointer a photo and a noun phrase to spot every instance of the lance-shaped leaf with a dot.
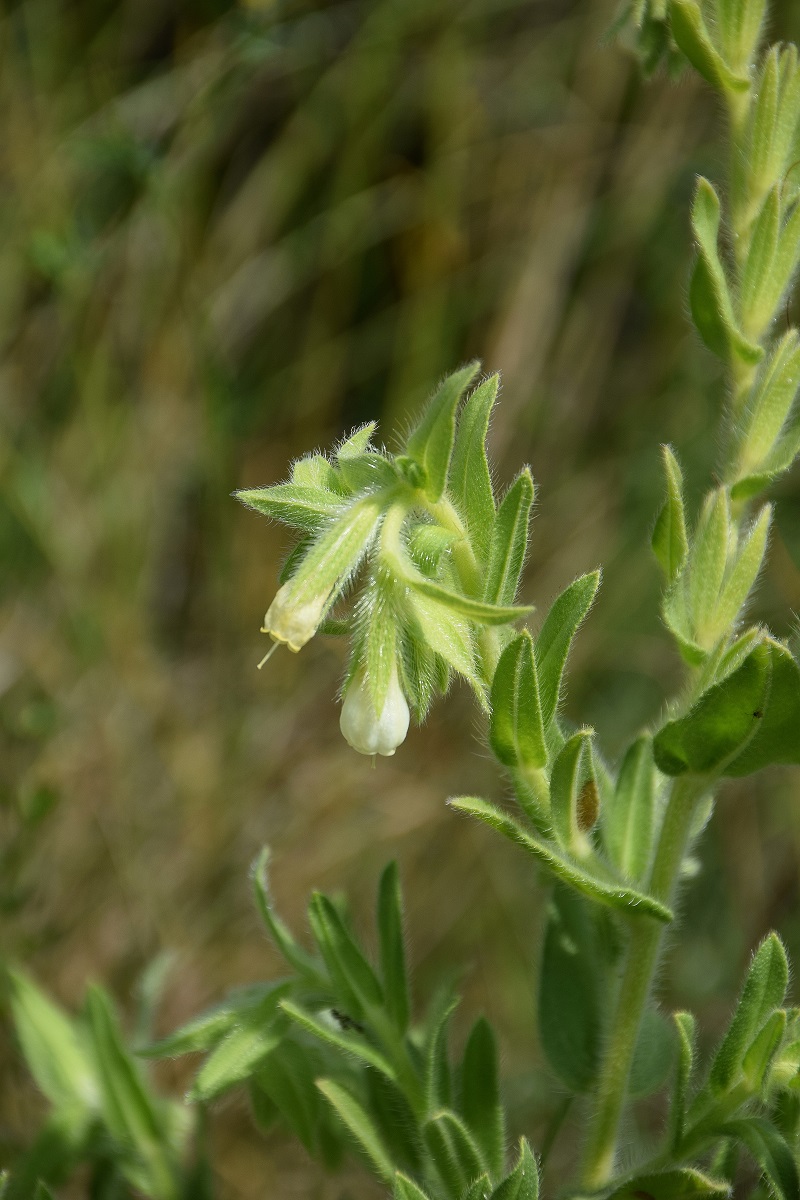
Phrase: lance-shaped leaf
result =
(59, 1063)
(681, 1183)
(360, 1125)
(604, 891)
(523, 1182)
(353, 1044)
(707, 562)
(478, 1190)
(738, 28)
(438, 1075)
(784, 264)
(305, 964)
(446, 633)
(300, 505)
(712, 307)
(480, 611)
(288, 1079)
(685, 1026)
(431, 443)
(767, 409)
(770, 1152)
(693, 38)
(760, 1056)
(574, 984)
(628, 821)
(481, 1106)
(243, 1049)
(470, 481)
(406, 1189)
(509, 541)
(763, 993)
(670, 544)
(554, 641)
(746, 722)
(572, 772)
(343, 957)
(516, 730)
(757, 291)
(209, 1028)
(742, 572)
(454, 1152)
(392, 949)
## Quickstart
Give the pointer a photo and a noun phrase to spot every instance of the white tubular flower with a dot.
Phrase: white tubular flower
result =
(292, 622)
(368, 731)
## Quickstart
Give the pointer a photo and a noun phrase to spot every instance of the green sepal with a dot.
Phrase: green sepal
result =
(509, 541)
(453, 1150)
(523, 1182)
(478, 1190)
(770, 1153)
(481, 1106)
(680, 1183)
(709, 295)
(367, 472)
(427, 546)
(315, 471)
(670, 544)
(684, 1066)
(356, 443)
(548, 854)
(746, 722)
(301, 506)
(572, 772)
(573, 989)
(553, 643)
(431, 443)
(406, 1189)
(243, 1049)
(763, 992)
(394, 974)
(56, 1058)
(308, 967)
(628, 821)
(470, 481)
(352, 1044)
(693, 38)
(516, 729)
(482, 612)
(343, 957)
(359, 1124)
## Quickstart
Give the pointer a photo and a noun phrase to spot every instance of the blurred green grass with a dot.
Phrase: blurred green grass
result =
(229, 234)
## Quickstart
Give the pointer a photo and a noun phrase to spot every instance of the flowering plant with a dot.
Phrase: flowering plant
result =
(414, 558)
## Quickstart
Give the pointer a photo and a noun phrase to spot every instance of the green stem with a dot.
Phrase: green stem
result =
(644, 948)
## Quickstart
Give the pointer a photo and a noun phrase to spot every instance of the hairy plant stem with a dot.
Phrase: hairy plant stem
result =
(642, 960)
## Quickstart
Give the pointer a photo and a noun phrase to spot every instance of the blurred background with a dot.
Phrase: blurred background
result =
(230, 232)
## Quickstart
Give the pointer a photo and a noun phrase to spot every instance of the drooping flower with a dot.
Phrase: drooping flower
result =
(369, 731)
(293, 621)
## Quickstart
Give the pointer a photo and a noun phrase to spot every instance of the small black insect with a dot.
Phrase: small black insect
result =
(758, 714)
(347, 1023)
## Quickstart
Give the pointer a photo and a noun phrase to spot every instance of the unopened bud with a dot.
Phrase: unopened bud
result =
(368, 731)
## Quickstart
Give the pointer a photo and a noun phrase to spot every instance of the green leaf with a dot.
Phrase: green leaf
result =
(516, 730)
(406, 1189)
(787, 254)
(445, 632)
(53, 1052)
(572, 771)
(685, 1027)
(481, 1106)
(306, 966)
(681, 1183)
(690, 32)
(549, 855)
(746, 722)
(367, 472)
(242, 1050)
(431, 443)
(301, 506)
(427, 546)
(742, 573)
(574, 986)
(768, 408)
(670, 544)
(739, 27)
(756, 291)
(628, 821)
(760, 1056)
(770, 1153)
(343, 957)
(478, 1189)
(204, 1031)
(480, 611)
(712, 307)
(392, 950)
(360, 1125)
(763, 993)
(470, 482)
(315, 471)
(655, 1050)
(352, 1044)
(455, 1154)
(357, 443)
(523, 1182)
(288, 1078)
(708, 559)
(438, 1076)
(553, 643)
(509, 541)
